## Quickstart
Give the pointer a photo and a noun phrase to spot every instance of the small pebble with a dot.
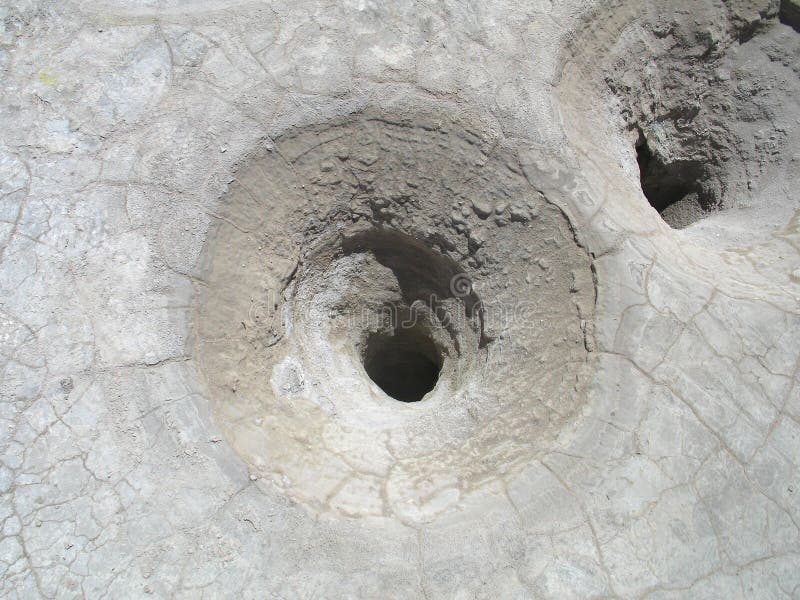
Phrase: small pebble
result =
(67, 384)
(482, 208)
(519, 213)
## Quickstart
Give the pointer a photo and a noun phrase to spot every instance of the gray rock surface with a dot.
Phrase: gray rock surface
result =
(201, 201)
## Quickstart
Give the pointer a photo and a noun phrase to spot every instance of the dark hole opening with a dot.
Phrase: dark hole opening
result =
(405, 365)
(790, 14)
(674, 189)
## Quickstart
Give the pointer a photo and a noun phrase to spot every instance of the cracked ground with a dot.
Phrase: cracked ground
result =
(197, 196)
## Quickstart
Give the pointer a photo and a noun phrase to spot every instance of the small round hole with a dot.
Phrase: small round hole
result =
(405, 365)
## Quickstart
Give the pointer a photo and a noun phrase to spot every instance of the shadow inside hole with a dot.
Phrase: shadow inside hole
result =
(405, 365)
(790, 14)
(675, 189)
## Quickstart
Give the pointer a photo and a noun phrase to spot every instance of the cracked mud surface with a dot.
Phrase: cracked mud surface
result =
(206, 207)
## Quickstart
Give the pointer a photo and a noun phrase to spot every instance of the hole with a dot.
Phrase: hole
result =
(405, 365)
(790, 14)
(674, 188)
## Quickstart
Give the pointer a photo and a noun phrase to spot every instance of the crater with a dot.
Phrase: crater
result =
(385, 297)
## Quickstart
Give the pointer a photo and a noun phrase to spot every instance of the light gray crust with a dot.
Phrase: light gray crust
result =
(126, 128)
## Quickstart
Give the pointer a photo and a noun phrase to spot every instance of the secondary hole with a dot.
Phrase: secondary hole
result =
(790, 14)
(674, 189)
(405, 365)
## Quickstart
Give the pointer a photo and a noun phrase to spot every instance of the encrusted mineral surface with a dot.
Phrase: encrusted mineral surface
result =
(399, 300)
